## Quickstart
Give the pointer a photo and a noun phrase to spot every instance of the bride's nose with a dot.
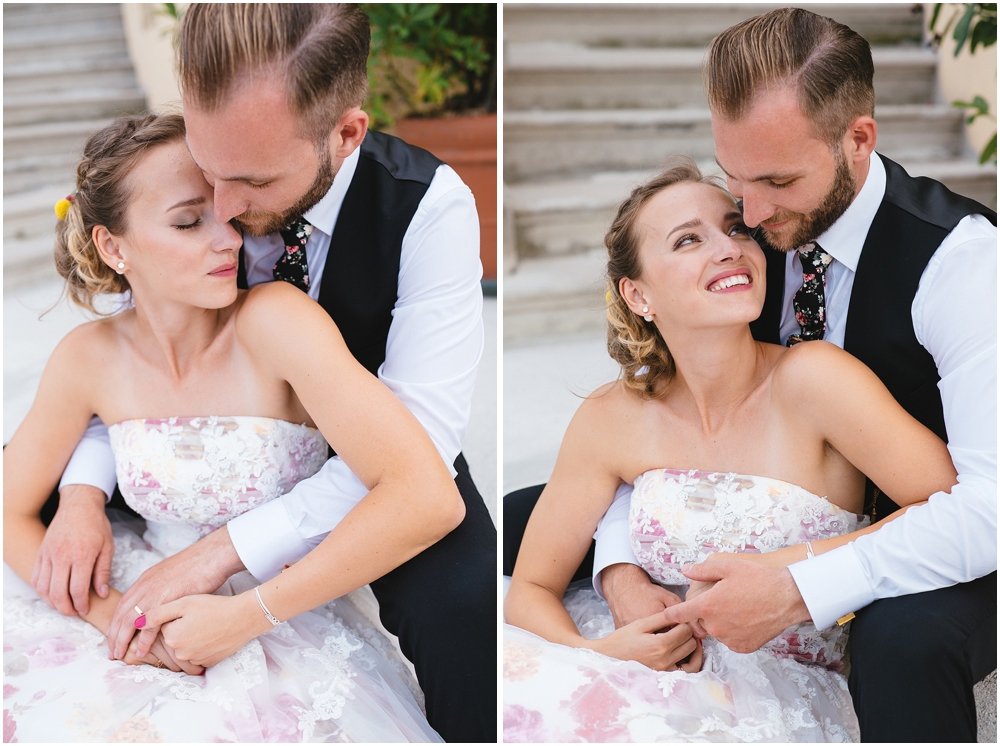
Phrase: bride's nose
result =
(727, 249)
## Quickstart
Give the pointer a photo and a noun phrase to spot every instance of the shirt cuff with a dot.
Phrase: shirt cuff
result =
(607, 553)
(266, 540)
(93, 464)
(832, 584)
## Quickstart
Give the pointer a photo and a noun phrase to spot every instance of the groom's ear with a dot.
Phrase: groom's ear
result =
(348, 133)
(859, 141)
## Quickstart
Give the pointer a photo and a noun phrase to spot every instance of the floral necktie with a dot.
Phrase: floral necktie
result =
(292, 266)
(809, 301)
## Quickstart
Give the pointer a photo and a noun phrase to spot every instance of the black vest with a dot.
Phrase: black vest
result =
(359, 284)
(912, 221)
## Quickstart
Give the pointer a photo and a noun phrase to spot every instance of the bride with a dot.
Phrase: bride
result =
(733, 446)
(222, 399)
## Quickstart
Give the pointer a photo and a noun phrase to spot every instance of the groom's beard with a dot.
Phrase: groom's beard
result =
(265, 223)
(805, 228)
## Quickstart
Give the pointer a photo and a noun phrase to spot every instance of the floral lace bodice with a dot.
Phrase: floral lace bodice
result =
(680, 517)
(187, 476)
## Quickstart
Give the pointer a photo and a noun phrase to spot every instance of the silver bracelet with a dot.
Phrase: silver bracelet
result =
(270, 617)
(810, 554)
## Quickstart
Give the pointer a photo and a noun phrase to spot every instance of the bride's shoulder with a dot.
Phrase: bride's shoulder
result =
(277, 307)
(608, 404)
(96, 337)
(811, 367)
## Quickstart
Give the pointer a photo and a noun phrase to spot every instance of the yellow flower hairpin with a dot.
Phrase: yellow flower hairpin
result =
(62, 206)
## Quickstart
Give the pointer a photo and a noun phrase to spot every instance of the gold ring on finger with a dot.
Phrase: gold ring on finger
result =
(138, 610)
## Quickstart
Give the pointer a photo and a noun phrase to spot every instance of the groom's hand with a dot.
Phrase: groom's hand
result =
(77, 549)
(631, 594)
(201, 568)
(749, 604)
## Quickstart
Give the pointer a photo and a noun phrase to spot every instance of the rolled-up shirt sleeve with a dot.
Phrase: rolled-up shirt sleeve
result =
(953, 538)
(614, 545)
(93, 461)
(433, 349)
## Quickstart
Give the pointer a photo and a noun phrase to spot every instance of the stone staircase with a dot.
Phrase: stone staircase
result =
(66, 74)
(597, 96)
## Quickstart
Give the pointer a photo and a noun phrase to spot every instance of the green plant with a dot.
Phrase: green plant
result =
(977, 25)
(427, 59)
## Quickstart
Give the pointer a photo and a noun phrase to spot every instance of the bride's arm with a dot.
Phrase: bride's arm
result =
(851, 410)
(38, 452)
(412, 502)
(558, 536)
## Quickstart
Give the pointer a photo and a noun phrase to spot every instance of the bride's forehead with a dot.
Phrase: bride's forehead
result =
(687, 200)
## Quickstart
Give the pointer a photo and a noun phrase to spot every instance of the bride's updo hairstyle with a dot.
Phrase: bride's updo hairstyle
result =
(103, 193)
(633, 342)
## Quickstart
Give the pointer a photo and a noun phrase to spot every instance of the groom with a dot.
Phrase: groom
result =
(910, 289)
(385, 237)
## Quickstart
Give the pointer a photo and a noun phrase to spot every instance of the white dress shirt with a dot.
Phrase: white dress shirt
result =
(952, 539)
(433, 349)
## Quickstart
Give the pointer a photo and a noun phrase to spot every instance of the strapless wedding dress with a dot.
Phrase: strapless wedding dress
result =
(791, 689)
(327, 675)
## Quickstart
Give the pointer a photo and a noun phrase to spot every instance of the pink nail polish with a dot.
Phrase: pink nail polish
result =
(140, 622)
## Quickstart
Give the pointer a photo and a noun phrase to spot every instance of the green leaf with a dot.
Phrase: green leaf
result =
(934, 15)
(990, 151)
(962, 27)
(984, 33)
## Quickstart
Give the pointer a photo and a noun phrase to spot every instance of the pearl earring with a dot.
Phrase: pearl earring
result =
(121, 268)
(645, 310)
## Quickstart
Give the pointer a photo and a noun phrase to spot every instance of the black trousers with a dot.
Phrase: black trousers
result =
(914, 659)
(442, 605)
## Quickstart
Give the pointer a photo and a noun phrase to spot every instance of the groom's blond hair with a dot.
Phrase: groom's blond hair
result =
(829, 66)
(319, 50)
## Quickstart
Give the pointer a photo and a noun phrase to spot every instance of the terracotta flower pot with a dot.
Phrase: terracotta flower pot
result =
(468, 145)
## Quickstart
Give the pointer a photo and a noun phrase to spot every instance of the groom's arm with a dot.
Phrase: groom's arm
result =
(433, 349)
(618, 578)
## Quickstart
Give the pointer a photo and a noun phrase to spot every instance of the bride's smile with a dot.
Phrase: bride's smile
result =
(700, 267)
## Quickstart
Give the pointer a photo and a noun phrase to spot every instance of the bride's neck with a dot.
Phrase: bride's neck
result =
(174, 335)
(717, 371)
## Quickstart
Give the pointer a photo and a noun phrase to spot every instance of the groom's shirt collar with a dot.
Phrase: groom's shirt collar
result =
(844, 239)
(323, 215)
(261, 252)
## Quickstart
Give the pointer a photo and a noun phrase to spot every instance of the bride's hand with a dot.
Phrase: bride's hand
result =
(205, 629)
(643, 641)
(161, 656)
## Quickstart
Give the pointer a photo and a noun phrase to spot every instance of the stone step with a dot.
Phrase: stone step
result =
(30, 215)
(33, 172)
(48, 138)
(27, 261)
(86, 40)
(563, 75)
(33, 15)
(85, 30)
(553, 143)
(570, 216)
(61, 74)
(688, 25)
(81, 103)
